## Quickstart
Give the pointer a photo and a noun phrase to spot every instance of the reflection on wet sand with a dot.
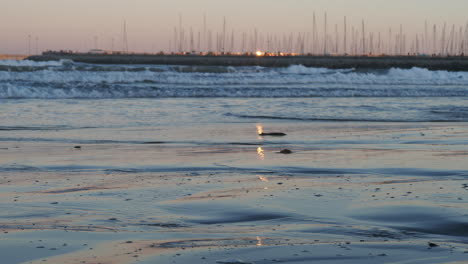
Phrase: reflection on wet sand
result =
(259, 241)
(259, 131)
(260, 153)
(263, 178)
(332, 203)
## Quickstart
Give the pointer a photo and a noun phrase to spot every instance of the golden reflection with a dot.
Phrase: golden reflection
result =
(260, 153)
(259, 129)
(263, 178)
(259, 241)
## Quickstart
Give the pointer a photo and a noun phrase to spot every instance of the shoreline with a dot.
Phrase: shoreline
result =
(331, 62)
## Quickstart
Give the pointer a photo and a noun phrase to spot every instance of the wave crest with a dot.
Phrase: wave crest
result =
(69, 80)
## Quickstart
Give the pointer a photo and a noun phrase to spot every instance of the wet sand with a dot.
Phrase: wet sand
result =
(357, 192)
(330, 62)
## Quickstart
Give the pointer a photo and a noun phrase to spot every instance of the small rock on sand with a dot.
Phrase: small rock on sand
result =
(430, 244)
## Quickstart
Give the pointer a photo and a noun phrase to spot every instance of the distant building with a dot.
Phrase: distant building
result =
(97, 51)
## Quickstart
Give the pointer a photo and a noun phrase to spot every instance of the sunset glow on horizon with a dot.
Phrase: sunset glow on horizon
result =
(30, 26)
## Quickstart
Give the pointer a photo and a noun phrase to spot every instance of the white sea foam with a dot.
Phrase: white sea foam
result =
(66, 81)
(300, 69)
(29, 63)
(24, 91)
(291, 75)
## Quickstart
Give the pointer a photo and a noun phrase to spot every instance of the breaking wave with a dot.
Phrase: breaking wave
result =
(29, 63)
(65, 79)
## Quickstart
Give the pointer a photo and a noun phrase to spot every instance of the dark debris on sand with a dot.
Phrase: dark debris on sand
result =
(273, 134)
(286, 151)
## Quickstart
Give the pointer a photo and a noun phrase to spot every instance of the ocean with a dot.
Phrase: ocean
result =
(171, 159)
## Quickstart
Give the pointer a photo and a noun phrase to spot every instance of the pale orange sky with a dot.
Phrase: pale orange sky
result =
(74, 24)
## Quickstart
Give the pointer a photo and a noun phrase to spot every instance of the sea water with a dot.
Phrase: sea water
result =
(238, 93)
(76, 103)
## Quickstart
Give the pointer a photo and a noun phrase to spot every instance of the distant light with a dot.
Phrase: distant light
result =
(259, 53)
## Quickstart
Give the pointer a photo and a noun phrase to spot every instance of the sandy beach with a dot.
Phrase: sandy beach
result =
(350, 192)
(12, 57)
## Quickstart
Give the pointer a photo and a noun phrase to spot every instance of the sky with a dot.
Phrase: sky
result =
(85, 24)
